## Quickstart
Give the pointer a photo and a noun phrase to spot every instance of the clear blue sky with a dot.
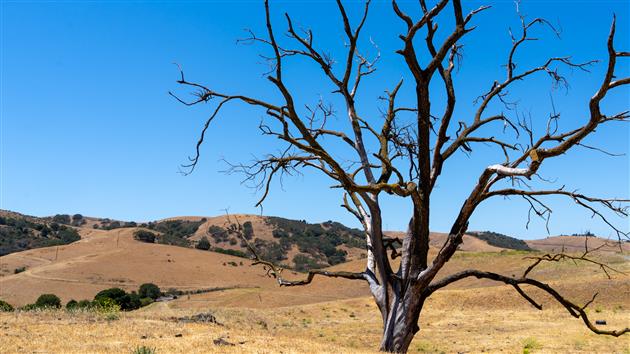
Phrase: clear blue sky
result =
(87, 125)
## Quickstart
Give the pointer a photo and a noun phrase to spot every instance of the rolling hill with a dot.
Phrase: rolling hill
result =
(105, 258)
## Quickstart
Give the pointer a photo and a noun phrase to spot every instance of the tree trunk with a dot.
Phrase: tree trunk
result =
(402, 322)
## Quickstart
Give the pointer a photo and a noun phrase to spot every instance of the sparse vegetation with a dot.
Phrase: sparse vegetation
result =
(530, 344)
(5, 306)
(144, 350)
(175, 232)
(317, 242)
(21, 233)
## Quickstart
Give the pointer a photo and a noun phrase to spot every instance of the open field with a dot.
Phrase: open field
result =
(329, 316)
(475, 324)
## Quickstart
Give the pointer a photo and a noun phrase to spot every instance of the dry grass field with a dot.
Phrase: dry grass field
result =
(328, 316)
(475, 324)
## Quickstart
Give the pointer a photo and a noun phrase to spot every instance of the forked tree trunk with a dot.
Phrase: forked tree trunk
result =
(401, 324)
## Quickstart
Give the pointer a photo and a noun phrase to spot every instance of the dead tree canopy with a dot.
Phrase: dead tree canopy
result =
(402, 150)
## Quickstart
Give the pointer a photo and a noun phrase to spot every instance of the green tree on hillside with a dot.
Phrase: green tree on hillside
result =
(149, 290)
(203, 244)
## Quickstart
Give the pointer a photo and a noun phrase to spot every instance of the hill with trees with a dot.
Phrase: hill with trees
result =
(19, 233)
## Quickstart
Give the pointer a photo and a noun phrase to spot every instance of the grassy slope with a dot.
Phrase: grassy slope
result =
(453, 321)
(327, 316)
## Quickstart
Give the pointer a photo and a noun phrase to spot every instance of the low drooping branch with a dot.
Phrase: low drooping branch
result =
(575, 310)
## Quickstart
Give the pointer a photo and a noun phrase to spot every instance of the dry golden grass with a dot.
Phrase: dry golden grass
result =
(328, 316)
(344, 326)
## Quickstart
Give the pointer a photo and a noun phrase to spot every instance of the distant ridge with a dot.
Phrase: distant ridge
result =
(501, 240)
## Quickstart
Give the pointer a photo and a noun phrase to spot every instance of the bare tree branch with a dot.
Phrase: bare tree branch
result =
(575, 310)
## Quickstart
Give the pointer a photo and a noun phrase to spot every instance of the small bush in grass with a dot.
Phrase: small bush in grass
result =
(84, 304)
(105, 305)
(48, 301)
(144, 350)
(149, 290)
(5, 306)
(530, 344)
(72, 305)
(19, 270)
(28, 307)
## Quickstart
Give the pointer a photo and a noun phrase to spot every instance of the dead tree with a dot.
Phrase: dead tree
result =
(406, 160)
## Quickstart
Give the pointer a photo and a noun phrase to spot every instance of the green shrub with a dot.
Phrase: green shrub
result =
(68, 235)
(105, 305)
(149, 290)
(500, 240)
(144, 236)
(304, 262)
(28, 307)
(84, 304)
(5, 306)
(248, 230)
(125, 301)
(77, 220)
(144, 350)
(61, 219)
(48, 301)
(130, 302)
(236, 253)
(72, 305)
(175, 232)
(218, 233)
(145, 301)
(530, 344)
(203, 244)
(112, 293)
(19, 270)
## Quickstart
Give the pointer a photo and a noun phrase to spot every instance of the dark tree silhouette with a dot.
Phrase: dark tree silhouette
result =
(406, 160)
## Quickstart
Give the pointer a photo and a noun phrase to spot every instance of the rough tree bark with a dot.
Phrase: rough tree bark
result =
(407, 160)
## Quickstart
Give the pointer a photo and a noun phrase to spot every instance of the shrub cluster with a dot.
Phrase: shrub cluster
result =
(44, 301)
(236, 253)
(174, 232)
(203, 244)
(108, 300)
(19, 234)
(5, 306)
(144, 236)
(317, 242)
